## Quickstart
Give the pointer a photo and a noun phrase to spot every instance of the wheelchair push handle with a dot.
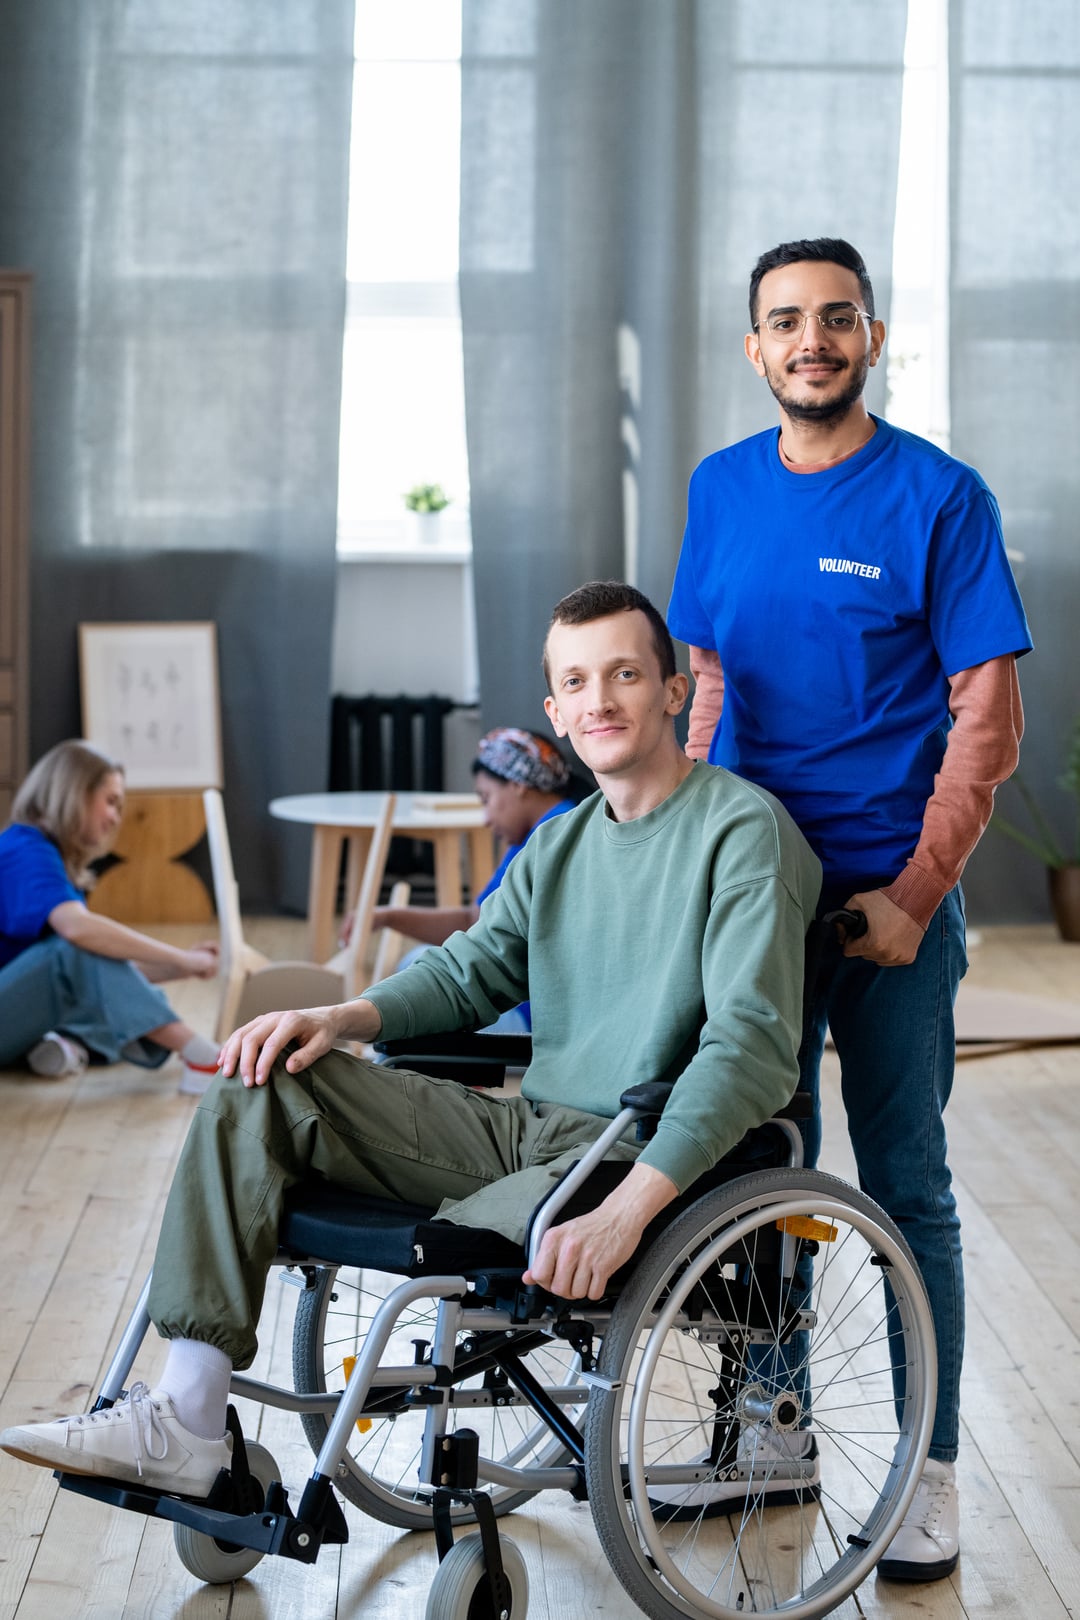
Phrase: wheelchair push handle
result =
(848, 924)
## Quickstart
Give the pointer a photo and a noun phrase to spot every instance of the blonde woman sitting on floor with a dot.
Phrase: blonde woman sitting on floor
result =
(74, 983)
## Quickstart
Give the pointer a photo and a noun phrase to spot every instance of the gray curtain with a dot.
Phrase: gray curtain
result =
(623, 164)
(1015, 353)
(175, 177)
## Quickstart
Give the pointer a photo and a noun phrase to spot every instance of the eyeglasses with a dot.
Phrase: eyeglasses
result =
(835, 320)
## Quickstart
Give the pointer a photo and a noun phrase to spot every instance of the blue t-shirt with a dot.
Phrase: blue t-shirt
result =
(500, 871)
(33, 879)
(839, 602)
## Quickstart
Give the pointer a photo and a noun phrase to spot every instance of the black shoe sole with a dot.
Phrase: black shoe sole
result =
(898, 1569)
(664, 1513)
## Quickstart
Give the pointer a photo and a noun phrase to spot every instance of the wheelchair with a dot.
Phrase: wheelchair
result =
(771, 1342)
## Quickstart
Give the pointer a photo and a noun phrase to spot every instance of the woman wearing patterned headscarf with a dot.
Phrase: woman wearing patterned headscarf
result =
(522, 780)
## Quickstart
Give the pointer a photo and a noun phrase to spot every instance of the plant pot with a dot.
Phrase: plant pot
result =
(424, 527)
(1065, 899)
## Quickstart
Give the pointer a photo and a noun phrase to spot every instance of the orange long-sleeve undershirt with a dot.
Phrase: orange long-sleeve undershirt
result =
(981, 752)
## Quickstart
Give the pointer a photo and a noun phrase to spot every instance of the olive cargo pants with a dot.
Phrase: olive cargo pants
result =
(485, 1160)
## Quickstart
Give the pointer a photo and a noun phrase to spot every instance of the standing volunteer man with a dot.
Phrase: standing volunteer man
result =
(854, 628)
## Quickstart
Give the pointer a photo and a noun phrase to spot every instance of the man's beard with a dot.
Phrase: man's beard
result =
(833, 409)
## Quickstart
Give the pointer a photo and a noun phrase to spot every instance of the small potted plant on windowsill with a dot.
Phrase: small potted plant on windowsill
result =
(1062, 869)
(425, 502)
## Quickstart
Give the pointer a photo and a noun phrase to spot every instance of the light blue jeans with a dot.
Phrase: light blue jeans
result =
(894, 1035)
(107, 1005)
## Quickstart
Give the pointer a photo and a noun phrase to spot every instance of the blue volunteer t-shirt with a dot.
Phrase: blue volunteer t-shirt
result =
(33, 879)
(839, 602)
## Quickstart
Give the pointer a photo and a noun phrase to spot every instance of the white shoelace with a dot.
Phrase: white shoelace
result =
(928, 1506)
(146, 1425)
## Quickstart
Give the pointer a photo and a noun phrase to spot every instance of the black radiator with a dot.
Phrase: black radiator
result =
(380, 744)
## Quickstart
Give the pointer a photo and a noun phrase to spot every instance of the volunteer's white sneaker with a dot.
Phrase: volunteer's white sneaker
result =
(927, 1545)
(775, 1479)
(140, 1440)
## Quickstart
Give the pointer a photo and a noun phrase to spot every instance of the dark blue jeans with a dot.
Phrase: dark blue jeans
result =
(894, 1035)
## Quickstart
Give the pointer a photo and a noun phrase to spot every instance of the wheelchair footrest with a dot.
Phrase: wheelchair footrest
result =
(275, 1530)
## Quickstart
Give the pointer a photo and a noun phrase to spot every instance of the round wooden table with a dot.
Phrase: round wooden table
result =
(337, 819)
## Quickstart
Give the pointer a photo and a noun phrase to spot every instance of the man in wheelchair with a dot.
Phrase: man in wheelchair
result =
(658, 931)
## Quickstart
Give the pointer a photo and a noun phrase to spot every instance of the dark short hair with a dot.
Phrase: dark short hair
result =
(821, 249)
(599, 600)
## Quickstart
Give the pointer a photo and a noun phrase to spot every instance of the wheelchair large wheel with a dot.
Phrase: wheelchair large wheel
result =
(380, 1469)
(754, 1451)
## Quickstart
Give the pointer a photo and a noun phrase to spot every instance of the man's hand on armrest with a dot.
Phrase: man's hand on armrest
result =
(253, 1049)
(577, 1258)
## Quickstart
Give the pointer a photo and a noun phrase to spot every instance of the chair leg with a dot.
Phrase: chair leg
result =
(391, 943)
(350, 962)
(232, 990)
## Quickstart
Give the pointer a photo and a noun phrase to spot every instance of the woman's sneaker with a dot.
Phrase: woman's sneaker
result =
(57, 1055)
(195, 1078)
(780, 1470)
(140, 1440)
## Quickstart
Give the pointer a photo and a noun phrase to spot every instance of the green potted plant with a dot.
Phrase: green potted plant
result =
(425, 502)
(1063, 867)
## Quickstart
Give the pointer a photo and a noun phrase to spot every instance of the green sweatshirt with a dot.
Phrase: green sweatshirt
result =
(669, 947)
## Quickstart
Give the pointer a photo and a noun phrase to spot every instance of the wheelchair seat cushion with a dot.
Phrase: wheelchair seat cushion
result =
(341, 1227)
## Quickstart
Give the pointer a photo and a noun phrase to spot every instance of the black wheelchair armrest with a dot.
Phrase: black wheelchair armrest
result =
(468, 1056)
(650, 1098)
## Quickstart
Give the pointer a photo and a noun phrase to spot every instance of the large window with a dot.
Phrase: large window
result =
(403, 407)
(917, 351)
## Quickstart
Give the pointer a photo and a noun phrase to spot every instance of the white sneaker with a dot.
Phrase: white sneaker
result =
(195, 1080)
(57, 1055)
(776, 1470)
(927, 1545)
(140, 1440)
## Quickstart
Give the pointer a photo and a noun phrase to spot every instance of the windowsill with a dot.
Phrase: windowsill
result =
(396, 543)
(404, 554)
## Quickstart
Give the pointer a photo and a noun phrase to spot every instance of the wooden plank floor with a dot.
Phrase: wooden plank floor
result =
(84, 1167)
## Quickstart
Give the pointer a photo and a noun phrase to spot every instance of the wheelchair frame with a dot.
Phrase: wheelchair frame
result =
(678, 1303)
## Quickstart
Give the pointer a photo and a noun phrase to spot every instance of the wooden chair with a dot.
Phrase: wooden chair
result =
(250, 983)
(391, 946)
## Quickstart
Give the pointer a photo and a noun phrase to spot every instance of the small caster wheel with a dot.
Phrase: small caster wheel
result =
(460, 1589)
(218, 1562)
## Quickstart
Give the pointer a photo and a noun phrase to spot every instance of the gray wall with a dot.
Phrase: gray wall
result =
(1015, 324)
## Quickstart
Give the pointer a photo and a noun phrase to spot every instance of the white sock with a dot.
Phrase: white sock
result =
(201, 1052)
(196, 1377)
